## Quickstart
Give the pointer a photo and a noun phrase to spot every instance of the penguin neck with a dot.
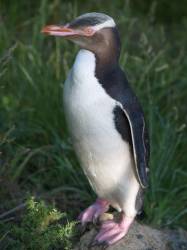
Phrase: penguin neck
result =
(108, 52)
(106, 64)
(84, 66)
(89, 65)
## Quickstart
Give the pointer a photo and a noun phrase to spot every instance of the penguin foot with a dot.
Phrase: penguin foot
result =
(93, 211)
(111, 231)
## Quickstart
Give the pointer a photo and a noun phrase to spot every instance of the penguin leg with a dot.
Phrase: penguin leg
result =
(112, 231)
(93, 211)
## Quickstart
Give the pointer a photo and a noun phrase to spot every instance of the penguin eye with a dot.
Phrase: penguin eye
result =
(89, 31)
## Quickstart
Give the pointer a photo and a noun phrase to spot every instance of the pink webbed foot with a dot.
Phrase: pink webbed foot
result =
(93, 211)
(111, 231)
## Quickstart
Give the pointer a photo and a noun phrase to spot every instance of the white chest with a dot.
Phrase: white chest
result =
(89, 110)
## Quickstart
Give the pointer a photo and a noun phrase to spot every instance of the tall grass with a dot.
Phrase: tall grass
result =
(36, 152)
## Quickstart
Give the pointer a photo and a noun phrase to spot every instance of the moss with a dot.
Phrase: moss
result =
(42, 227)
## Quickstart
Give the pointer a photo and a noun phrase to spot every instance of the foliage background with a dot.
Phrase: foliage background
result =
(36, 156)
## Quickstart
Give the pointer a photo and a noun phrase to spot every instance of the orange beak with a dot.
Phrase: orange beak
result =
(65, 31)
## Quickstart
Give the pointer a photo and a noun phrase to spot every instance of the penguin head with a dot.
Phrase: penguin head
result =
(96, 32)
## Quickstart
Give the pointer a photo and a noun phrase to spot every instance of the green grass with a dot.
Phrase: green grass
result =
(36, 153)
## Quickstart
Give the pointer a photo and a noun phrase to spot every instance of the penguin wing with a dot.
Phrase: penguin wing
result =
(131, 126)
(140, 140)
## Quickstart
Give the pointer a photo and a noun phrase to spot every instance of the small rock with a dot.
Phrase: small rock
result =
(105, 217)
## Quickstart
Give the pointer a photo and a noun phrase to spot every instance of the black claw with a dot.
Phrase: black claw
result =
(83, 228)
(95, 219)
(93, 243)
(103, 244)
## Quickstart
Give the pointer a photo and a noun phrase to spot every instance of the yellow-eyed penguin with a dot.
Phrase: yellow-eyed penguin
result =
(106, 123)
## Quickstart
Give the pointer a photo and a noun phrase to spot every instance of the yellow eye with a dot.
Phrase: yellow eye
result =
(89, 31)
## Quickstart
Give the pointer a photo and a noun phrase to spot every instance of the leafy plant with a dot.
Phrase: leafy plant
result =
(42, 227)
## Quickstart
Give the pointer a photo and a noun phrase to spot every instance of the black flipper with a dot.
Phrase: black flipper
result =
(139, 142)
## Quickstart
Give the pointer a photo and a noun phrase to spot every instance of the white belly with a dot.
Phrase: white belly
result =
(103, 154)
